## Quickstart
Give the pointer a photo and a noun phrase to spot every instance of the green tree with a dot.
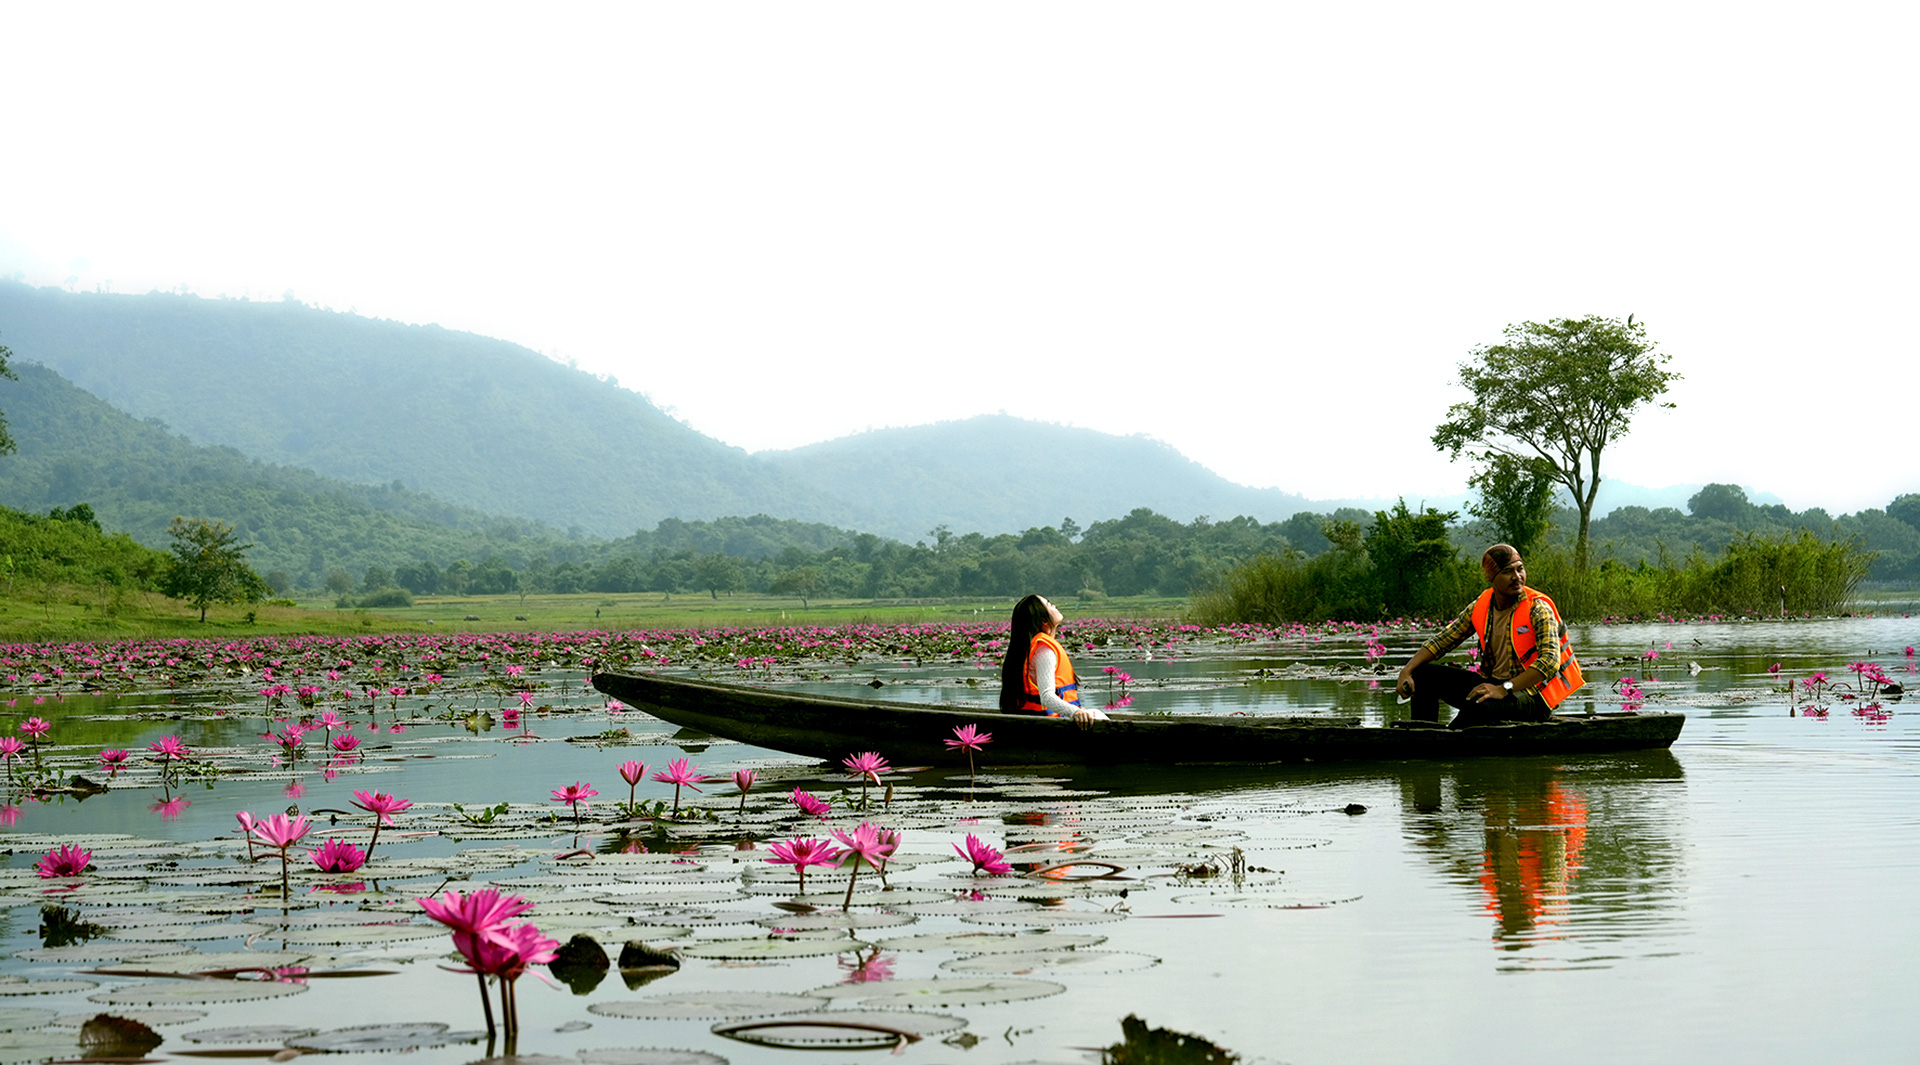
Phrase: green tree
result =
(208, 566)
(1721, 502)
(6, 441)
(717, 573)
(1559, 391)
(1516, 499)
(1406, 550)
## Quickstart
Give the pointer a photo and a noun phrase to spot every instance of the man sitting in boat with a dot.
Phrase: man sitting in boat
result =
(1515, 681)
(1036, 676)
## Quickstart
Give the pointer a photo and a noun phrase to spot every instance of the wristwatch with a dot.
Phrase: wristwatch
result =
(1507, 684)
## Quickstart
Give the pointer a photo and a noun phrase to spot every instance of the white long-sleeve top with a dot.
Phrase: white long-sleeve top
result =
(1042, 668)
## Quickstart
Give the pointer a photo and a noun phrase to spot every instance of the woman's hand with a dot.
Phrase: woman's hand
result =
(1084, 716)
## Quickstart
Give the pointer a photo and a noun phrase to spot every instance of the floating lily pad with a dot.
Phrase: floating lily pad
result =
(272, 1034)
(841, 1029)
(177, 992)
(763, 947)
(648, 1056)
(1048, 918)
(361, 935)
(1263, 900)
(186, 933)
(963, 907)
(12, 988)
(944, 991)
(14, 1018)
(823, 919)
(155, 1018)
(708, 1005)
(690, 917)
(1086, 961)
(384, 1037)
(24, 1046)
(992, 942)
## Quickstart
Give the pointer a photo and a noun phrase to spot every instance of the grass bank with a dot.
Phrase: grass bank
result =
(60, 612)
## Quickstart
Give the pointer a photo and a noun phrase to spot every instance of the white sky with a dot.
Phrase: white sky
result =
(1264, 233)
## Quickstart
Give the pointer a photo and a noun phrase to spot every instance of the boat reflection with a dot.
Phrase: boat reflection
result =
(1554, 852)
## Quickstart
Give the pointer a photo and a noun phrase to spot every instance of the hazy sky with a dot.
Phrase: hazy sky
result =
(1264, 233)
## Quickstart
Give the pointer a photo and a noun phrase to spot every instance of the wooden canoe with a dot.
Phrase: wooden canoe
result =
(831, 728)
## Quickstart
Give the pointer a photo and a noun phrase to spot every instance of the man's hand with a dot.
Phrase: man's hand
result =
(1484, 692)
(1084, 716)
(1404, 686)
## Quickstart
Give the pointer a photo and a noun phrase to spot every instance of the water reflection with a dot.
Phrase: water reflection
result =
(1552, 852)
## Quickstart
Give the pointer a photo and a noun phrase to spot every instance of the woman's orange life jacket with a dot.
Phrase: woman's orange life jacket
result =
(1064, 684)
(1526, 643)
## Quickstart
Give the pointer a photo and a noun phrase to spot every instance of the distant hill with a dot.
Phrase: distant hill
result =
(474, 421)
(73, 448)
(995, 474)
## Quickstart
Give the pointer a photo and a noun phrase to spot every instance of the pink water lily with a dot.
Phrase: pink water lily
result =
(633, 773)
(969, 738)
(382, 806)
(801, 852)
(865, 844)
(679, 772)
(35, 727)
(338, 856)
(281, 832)
(169, 748)
(984, 857)
(345, 742)
(868, 766)
(810, 805)
(68, 859)
(743, 779)
(113, 761)
(475, 919)
(575, 795)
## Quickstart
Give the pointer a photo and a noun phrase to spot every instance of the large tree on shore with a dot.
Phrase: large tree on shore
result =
(1558, 392)
(208, 566)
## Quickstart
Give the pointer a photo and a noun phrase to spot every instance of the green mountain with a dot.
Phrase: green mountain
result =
(73, 448)
(492, 426)
(996, 474)
(477, 422)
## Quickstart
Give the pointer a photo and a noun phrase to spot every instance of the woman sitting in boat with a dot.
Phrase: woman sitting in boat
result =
(1036, 677)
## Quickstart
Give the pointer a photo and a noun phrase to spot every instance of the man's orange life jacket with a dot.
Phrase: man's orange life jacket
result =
(1526, 643)
(1064, 684)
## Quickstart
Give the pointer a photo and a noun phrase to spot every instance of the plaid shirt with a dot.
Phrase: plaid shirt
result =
(1546, 624)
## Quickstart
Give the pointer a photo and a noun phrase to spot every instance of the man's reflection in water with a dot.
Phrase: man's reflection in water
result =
(1534, 847)
(1523, 833)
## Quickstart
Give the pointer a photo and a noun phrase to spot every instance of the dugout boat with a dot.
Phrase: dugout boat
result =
(831, 728)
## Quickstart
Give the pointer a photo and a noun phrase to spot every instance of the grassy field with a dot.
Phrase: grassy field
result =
(75, 613)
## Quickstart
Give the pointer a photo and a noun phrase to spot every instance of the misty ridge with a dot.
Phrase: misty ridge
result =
(341, 444)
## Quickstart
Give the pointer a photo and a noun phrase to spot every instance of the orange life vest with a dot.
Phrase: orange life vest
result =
(1526, 643)
(1064, 685)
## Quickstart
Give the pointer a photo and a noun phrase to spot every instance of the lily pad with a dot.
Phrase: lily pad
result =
(708, 1005)
(256, 1033)
(764, 947)
(992, 942)
(841, 1029)
(1253, 900)
(810, 922)
(361, 935)
(1085, 961)
(384, 1037)
(155, 1018)
(944, 991)
(1038, 918)
(12, 988)
(178, 992)
(38, 1045)
(14, 1018)
(648, 1056)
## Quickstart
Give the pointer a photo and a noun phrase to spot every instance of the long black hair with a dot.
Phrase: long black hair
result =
(1030, 616)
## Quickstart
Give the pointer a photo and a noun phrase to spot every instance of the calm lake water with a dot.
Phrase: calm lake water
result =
(1742, 896)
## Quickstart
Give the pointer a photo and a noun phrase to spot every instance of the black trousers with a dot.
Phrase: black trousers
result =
(1434, 684)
